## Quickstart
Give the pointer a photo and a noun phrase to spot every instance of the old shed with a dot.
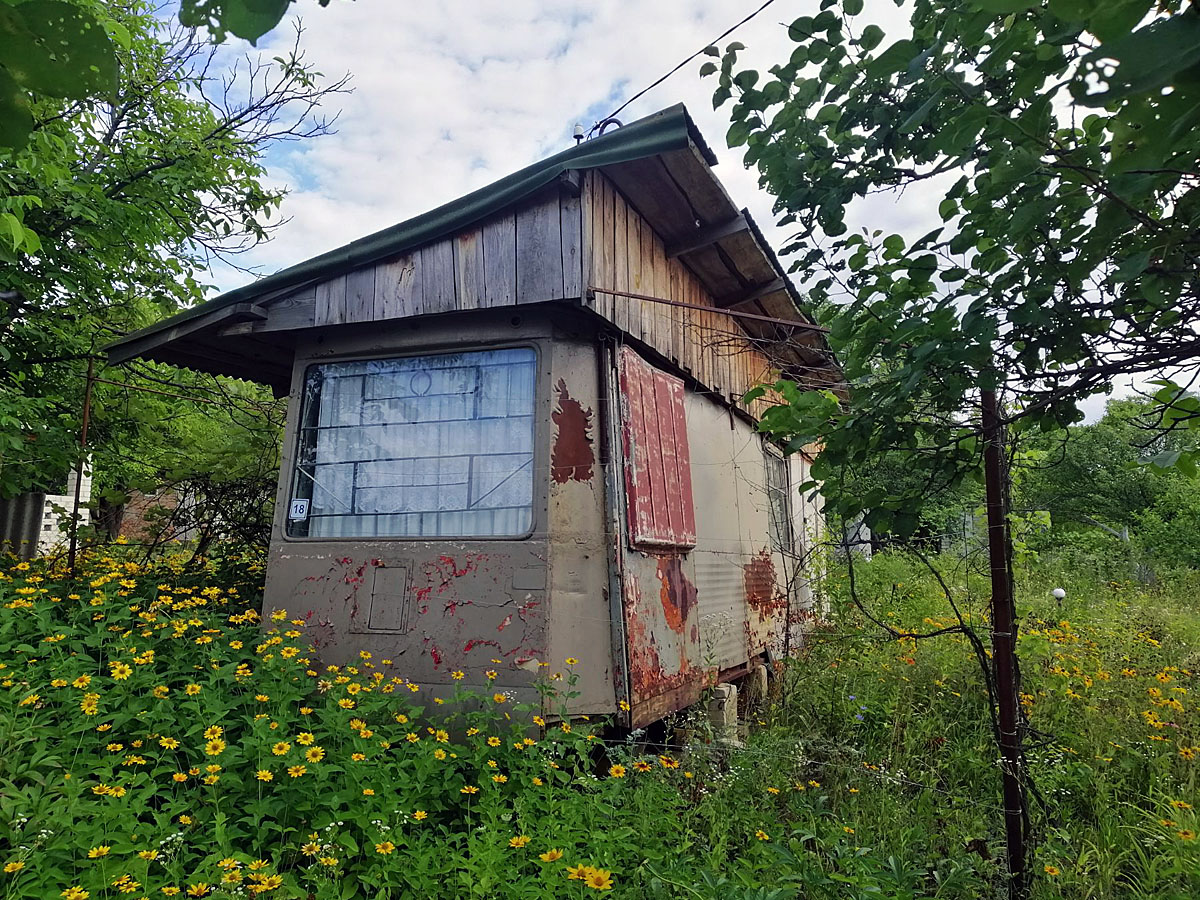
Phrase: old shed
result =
(515, 432)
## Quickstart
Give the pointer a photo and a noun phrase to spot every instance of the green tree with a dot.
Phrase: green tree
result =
(115, 209)
(1058, 142)
(70, 49)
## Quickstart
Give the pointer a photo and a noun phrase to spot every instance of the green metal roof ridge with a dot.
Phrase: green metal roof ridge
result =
(663, 131)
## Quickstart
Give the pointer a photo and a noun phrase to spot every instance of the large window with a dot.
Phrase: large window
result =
(430, 446)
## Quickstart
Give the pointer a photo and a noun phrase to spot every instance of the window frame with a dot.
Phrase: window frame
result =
(540, 497)
(772, 455)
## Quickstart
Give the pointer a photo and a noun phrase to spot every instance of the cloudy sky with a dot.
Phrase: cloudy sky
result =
(450, 96)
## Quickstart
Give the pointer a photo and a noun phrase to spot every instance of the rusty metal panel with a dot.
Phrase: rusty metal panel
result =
(666, 668)
(658, 480)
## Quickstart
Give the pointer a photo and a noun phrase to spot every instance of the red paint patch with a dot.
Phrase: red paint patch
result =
(572, 458)
(507, 621)
(678, 595)
(474, 642)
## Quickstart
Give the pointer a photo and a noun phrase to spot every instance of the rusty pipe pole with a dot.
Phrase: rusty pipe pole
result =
(1004, 646)
(83, 435)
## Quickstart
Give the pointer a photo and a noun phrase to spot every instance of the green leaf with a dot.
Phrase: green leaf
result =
(870, 38)
(1149, 58)
(16, 119)
(708, 69)
(57, 49)
(893, 59)
(914, 121)
(251, 19)
(852, 7)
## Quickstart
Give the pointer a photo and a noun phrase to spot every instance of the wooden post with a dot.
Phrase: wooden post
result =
(1004, 646)
(83, 435)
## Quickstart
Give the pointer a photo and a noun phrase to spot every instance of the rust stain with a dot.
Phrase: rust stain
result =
(572, 458)
(678, 595)
(758, 578)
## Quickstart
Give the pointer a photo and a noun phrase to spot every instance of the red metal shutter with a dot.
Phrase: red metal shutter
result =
(658, 474)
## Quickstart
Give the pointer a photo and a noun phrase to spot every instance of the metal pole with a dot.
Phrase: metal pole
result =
(1004, 656)
(83, 434)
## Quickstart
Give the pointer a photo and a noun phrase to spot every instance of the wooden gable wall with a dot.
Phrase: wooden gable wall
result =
(622, 252)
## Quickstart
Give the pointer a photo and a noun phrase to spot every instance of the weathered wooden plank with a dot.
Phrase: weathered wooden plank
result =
(587, 201)
(293, 311)
(743, 252)
(398, 287)
(650, 189)
(468, 270)
(570, 213)
(500, 260)
(645, 321)
(360, 295)
(626, 308)
(708, 197)
(603, 237)
(437, 277)
(330, 305)
(539, 251)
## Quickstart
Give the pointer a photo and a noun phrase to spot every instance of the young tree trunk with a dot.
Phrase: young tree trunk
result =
(1004, 649)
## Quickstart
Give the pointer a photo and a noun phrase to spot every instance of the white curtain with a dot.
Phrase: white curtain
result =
(432, 446)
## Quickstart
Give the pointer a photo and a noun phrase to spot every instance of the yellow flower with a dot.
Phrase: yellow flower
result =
(1186, 834)
(346, 703)
(577, 873)
(762, 835)
(537, 781)
(493, 742)
(199, 889)
(215, 747)
(264, 775)
(97, 852)
(305, 738)
(439, 753)
(281, 748)
(148, 854)
(1050, 870)
(500, 779)
(499, 697)
(642, 766)
(847, 829)
(180, 776)
(310, 849)
(120, 671)
(617, 771)
(368, 792)
(772, 790)
(314, 754)
(74, 893)
(15, 866)
(358, 757)
(598, 880)
(518, 842)
(550, 855)
(168, 743)
(329, 861)
(213, 731)
(82, 681)
(296, 771)
(385, 847)
(192, 690)
(572, 661)
(668, 762)
(1187, 752)
(420, 815)
(468, 789)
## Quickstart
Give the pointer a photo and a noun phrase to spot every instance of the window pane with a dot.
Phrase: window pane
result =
(432, 446)
(778, 502)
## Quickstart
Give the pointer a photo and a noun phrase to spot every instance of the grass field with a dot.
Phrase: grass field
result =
(156, 740)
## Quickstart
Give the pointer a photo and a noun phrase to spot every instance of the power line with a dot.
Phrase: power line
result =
(724, 34)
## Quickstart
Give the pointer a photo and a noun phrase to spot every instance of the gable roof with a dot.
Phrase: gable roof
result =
(660, 162)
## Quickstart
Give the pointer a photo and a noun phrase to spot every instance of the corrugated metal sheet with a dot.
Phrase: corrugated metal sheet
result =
(21, 524)
(658, 475)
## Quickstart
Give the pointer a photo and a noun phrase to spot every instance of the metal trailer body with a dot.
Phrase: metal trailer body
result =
(515, 433)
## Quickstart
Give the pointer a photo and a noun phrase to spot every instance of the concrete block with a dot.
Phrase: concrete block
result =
(722, 712)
